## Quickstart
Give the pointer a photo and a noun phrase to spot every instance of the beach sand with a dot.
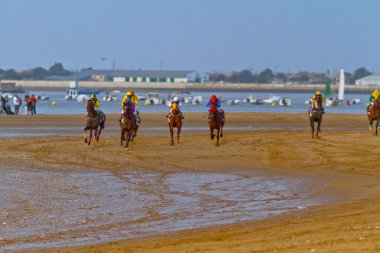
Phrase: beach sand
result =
(341, 166)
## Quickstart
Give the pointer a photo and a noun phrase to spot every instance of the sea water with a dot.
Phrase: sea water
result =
(298, 103)
(46, 208)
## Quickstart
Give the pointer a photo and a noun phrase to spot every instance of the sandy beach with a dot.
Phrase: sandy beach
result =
(339, 173)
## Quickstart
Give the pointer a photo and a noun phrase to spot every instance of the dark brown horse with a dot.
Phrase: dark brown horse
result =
(216, 121)
(128, 127)
(315, 115)
(95, 120)
(374, 114)
(175, 120)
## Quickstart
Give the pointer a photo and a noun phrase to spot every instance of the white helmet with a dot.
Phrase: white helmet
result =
(175, 99)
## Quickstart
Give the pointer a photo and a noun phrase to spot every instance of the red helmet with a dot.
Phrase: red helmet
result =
(213, 97)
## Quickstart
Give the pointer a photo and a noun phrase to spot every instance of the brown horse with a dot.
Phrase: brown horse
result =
(95, 120)
(315, 115)
(374, 114)
(128, 127)
(175, 120)
(216, 121)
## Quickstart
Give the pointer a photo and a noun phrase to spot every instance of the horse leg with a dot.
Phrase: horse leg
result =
(212, 133)
(127, 139)
(312, 128)
(121, 137)
(100, 131)
(377, 123)
(171, 134)
(85, 135)
(370, 124)
(318, 127)
(89, 141)
(221, 131)
(96, 134)
(217, 136)
(178, 133)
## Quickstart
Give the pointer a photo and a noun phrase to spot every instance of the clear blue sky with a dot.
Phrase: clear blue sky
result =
(205, 35)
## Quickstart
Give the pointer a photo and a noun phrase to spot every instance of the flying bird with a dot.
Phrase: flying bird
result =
(103, 58)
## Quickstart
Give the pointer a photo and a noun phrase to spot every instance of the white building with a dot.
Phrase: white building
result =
(138, 76)
(369, 80)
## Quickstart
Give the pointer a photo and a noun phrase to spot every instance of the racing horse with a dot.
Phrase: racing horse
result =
(128, 127)
(374, 113)
(95, 120)
(216, 121)
(315, 115)
(175, 120)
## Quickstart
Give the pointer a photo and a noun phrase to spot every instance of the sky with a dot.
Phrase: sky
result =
(201, 35)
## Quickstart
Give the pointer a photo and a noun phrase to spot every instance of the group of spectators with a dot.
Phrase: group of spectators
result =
(30, 103)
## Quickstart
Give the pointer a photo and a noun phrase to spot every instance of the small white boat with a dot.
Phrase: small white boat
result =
(154, 99)
(233, 102)
(285, 102)
(72, 93)
(332, 101)
(42, 97)
(197, 100)
(272, 99)
(355, 101)
(82, 98)
(188, 99)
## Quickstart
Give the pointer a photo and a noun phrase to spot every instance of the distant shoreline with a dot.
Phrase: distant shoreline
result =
(242, 87)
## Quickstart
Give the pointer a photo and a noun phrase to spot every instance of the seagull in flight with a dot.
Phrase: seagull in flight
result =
(103, 58)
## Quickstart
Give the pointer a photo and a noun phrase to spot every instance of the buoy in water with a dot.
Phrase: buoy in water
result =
(53, 103)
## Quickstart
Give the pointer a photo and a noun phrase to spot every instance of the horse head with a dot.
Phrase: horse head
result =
(175, 111)
(90, 106)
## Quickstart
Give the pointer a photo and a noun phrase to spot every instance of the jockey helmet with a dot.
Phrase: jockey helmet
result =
(317, 93)
(128, 101)
(175, 99)
(93, 95)
(375, 92)
(213, 97)
(130, 93)
(174, 106)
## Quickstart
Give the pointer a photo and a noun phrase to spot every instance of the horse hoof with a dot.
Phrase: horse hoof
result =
(85, 140)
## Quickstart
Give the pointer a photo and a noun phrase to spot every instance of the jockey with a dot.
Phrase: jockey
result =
(134, 100)
(131, 106)
(315, 98)
(214, 104)
(95, 101)
(175, 104)
(374, 94)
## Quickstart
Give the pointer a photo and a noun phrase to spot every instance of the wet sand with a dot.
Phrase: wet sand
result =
(340, 168)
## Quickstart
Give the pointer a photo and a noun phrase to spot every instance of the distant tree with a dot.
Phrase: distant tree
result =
(57, 69)
(282, 77)
(39, 73)
(360, 73)
(266, 76)
(10, 74)
(245, 76)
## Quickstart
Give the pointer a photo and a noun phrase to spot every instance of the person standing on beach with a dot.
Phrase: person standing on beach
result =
(33, 101)
(28, 105)
(17, 103)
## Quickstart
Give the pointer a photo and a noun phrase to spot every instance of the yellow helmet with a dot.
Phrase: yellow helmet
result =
(317, 93)
(93, 95)
(375, 92)
(130, 93)
(174, 106)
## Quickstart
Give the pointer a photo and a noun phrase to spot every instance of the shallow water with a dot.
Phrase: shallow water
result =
(40, 208)
(298, 103)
